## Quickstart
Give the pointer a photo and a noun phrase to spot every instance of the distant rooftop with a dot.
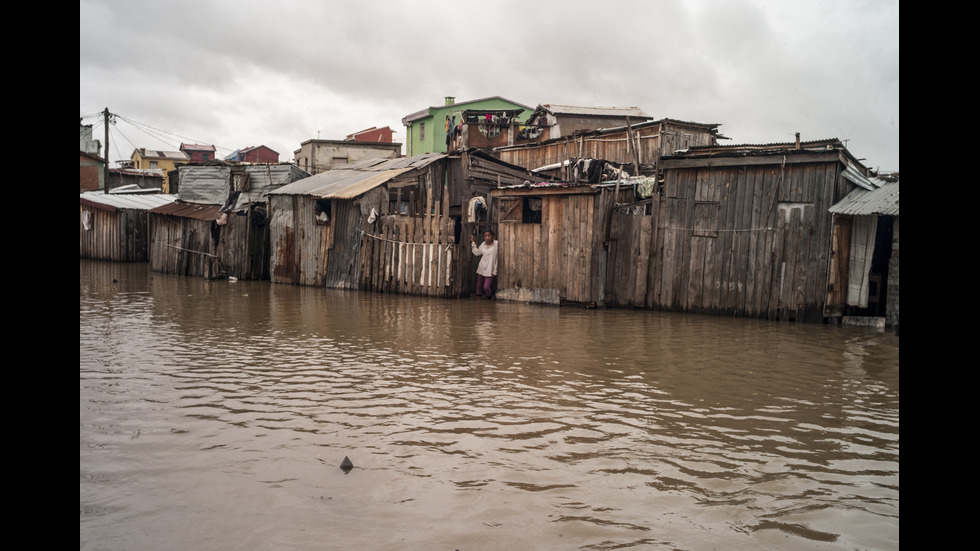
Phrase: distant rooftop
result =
(158, 154)
(595, 111)
(196, 147)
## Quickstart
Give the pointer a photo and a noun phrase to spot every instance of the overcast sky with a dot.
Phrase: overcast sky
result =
(241, 73)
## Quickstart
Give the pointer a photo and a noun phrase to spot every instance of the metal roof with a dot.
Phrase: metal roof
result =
(595, 111)
(883, 200)
(196, 147)
(158, 154)
(189, 210)
(113, 201)
(357, 178)
(147, 172)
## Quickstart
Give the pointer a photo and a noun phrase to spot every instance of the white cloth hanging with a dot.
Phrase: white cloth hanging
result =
(471, 209)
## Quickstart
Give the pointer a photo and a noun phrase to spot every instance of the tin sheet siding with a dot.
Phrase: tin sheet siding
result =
(300, 248)
(342, 265)
(119, 235)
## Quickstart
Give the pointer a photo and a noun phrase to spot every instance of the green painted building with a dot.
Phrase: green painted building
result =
(426, 130)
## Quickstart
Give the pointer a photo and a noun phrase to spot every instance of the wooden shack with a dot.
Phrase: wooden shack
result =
(552, 241)
(636, 146)
(737, 231)
(218, 226)
(394, 225)
(115, 226)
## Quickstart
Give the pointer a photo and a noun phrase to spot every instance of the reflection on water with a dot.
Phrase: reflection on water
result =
(215, 415)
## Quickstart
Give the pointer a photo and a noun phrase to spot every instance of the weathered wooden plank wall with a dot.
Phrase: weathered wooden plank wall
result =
(414, 255)
(742, 240)
(181, 246)
(191, 247)
(561, 259)
(343, 255)
(641, 143)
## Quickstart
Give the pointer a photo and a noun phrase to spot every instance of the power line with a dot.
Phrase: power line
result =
(158, 134)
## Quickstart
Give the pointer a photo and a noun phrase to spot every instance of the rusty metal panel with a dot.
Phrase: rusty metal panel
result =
(187, 210)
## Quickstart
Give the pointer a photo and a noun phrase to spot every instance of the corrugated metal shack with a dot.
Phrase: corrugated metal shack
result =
(218, 226)
(115, 226)
(864, 260)
(738, 230)
(636, 146)
(394, 225)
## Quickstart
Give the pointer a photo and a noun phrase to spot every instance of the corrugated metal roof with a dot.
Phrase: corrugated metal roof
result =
(339, 183)
(883, 200)
(150, 172)
(596, 111)
(158, 154)
(99, 199)
(357, 178)
(189, 210)
(196, 147)
(854, 176)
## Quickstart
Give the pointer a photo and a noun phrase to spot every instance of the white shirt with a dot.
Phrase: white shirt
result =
(488, 264)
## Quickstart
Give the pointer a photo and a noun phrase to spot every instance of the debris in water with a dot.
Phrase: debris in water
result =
(346, 465)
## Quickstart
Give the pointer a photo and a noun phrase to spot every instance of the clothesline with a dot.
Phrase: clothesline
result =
(386, 240)
(674, 228)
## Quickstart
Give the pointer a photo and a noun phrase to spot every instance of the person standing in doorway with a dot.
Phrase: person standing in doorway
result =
(487, 269)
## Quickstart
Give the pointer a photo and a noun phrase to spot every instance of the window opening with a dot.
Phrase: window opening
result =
(321, 212)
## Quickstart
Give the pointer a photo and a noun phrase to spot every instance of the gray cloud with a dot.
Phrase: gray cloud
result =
(247, 73)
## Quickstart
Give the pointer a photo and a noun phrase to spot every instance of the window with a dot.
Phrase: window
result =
(421, 131)
(321, 212)
(205, 156)
(531, 210)
(153, 164)
(526, 210)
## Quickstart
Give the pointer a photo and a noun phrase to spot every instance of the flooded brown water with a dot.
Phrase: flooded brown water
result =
(215, 415)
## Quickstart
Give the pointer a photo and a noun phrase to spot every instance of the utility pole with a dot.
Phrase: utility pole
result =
(105, 169)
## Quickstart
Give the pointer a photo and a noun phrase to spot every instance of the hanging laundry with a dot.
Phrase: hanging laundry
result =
(471, 208)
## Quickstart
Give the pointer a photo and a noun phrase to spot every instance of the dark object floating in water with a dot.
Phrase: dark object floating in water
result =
(346, 465)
